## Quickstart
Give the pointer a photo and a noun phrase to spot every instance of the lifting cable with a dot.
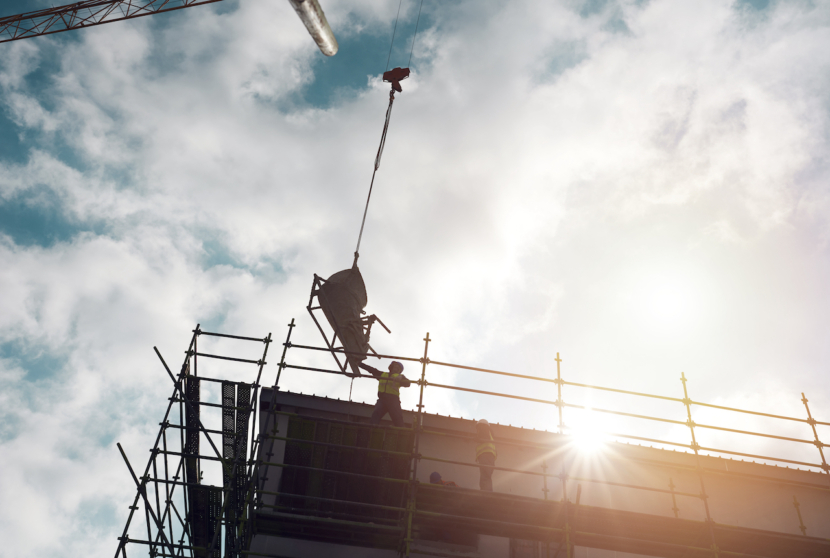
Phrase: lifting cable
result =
(394, 77)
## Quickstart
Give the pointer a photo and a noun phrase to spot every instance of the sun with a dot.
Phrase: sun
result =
(587, 432)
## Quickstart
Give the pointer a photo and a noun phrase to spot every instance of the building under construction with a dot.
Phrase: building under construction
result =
(240, 468)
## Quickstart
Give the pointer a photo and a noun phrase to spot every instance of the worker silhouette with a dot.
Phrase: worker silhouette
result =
(389, 386)
(485, 455)
(435, 478)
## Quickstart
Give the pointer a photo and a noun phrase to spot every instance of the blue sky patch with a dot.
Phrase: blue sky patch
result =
(35, 217)
(364, 54)
(12, 149)
(38, 363)
(754, 4)
(563, 57)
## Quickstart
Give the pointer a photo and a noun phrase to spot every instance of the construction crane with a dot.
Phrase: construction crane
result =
(89, 13)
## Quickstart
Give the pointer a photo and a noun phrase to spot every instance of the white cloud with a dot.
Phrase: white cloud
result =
(546, 177)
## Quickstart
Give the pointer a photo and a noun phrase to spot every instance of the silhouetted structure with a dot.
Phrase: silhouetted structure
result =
(301, 475)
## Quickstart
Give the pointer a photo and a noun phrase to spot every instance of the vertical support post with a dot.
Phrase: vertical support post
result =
(122, 540)
(168, 491)
(416, 426)
(559, 392)
(674, 508)
(254, 402)
(257, 479)
(696, 447)
(156, 490)
(797, 507)
(545, 494)
(563, 476)
(812, 422)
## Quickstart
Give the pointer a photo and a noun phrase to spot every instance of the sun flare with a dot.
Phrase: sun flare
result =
(588, 435)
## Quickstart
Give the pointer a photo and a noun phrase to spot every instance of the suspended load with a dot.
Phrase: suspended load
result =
(342, 298)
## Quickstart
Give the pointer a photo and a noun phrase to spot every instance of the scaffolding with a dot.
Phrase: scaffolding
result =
(406, 509)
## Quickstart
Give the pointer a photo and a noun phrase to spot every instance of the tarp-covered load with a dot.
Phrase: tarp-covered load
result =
(342, 298)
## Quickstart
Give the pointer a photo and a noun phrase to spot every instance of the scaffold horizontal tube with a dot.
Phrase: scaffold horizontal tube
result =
(721, 407)
(334, 521)
(615, 390)
(487, 371)
(486, 521)
(241, 337)
(333, 472)
(643, 439)
(430, 384)
(234, 359)
(818, 465)
(359, 518)
(311, 369)
(216, 405)
(216, 381)
(345, 422)
(180, 427)
(785, 438)
(350, 353)
(192, 456)
(341, 446)
(634, 486)
(185, 546)
(623, 413)
(317, 498)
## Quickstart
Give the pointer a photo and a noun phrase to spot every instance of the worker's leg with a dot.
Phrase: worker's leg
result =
(486, 463)
(395, 413)
(380, 410)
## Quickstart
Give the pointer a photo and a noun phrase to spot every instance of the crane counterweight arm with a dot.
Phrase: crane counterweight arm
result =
(86, 13)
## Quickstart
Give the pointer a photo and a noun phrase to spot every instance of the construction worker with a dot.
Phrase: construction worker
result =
(485, 455)
(389, 385)
(435, 478)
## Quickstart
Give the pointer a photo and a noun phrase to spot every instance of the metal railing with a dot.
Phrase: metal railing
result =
(165, 487)
(699, 468)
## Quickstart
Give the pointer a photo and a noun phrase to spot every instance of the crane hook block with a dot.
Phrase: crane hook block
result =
(395, 76)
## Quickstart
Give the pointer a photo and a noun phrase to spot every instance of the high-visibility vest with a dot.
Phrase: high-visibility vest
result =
(385, 385)
(486, 447)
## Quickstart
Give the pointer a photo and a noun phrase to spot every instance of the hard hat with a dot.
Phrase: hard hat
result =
(435, 478)
(484, 422)
(393, 363)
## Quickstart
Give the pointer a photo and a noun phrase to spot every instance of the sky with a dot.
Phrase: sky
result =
(640, 186)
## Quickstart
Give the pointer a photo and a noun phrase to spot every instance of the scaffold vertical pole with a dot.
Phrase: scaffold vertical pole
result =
(256, 478)
(797, 507)
(563, 477)
(123, 539)
(559, 392)
(696, 447)
(416, 426)
(812, 422)
(545, 493)
(674, 508)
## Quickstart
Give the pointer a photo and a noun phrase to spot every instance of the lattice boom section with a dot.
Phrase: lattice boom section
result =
(87, 13)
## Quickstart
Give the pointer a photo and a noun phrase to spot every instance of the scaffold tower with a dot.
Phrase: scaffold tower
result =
(208, 488)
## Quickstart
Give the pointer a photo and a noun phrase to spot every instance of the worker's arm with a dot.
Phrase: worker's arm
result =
(403, 380)
(371, 370)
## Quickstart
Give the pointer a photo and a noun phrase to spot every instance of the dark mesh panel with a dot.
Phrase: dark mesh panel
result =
(243, 414)
(214, 511)
(228, 454)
